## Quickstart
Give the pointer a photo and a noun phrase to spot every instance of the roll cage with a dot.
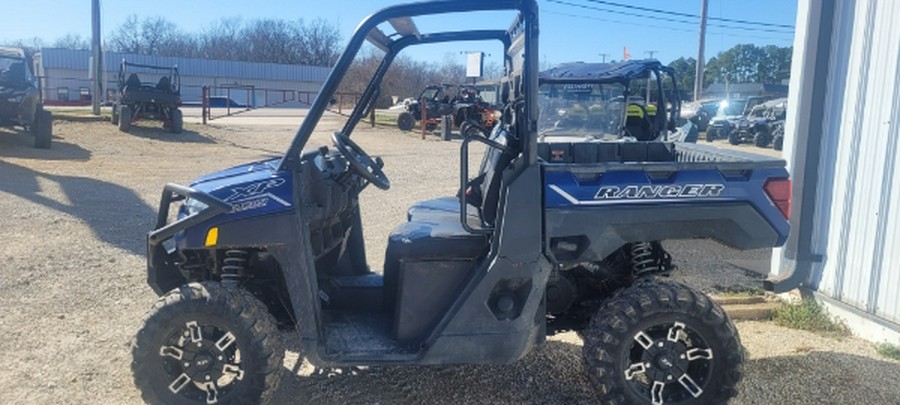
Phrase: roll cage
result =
(172, 71)
(520, 60)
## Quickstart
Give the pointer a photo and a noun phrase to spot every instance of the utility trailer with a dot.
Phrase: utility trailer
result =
(561, 234)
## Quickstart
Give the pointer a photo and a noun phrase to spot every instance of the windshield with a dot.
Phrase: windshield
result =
(430, 93)
(731, 107)
(12, 70)
(586, 110)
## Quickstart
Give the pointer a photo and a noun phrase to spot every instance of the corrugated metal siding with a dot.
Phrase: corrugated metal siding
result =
(53, 58)
(859, 208)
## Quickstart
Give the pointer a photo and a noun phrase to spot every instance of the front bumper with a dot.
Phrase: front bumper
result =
(162, 272)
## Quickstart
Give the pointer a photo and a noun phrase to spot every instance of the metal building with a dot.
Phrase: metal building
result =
(841, 142)
(64, 75)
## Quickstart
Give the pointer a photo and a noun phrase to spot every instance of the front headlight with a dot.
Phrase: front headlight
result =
(192, 206)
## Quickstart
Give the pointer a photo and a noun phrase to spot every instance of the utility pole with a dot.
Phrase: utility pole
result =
(96, 64)
(701, 61)
(603, 55)
(650, 53)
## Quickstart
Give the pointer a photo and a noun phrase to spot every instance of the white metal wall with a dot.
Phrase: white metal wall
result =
(858, 205)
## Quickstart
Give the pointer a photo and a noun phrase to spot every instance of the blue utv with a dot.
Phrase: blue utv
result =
(559, 230)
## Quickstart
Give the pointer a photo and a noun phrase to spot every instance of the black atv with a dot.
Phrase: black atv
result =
(471, 114)
(140, 100)
(20, 103)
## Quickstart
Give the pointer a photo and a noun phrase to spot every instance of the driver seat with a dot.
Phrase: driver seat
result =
(433, 231)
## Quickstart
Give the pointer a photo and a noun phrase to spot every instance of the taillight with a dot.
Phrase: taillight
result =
(779, 191)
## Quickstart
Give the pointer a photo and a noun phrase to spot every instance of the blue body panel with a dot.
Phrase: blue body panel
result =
(254, 190)
(706, 187)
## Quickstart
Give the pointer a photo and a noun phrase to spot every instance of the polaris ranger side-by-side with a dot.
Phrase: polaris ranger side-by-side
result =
(561, 233)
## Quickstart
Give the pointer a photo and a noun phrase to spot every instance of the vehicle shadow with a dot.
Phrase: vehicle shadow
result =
(158, 133)
(16, 143)
(554, 374)
(106, 208)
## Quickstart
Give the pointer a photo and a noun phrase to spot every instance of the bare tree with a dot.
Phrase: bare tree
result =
(222, 40)
(72, 41)
(319, 42)
(268, 40)
(127, 37)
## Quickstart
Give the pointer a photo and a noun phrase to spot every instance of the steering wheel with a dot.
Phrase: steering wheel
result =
(360, 161)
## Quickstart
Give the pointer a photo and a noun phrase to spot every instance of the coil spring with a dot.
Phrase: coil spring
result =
(643, 259)
(233, 267)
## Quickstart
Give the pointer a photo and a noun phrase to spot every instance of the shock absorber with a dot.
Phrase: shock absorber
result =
(234, 266)
(650, 258)
(643, 260)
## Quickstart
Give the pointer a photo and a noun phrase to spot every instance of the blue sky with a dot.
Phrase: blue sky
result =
(570, 29)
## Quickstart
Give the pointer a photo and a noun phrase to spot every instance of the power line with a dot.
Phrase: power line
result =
(662, 27)
(680, 14)
(625, 13)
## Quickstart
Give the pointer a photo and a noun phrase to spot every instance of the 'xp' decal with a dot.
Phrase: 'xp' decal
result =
(254, 189)
(660, 191)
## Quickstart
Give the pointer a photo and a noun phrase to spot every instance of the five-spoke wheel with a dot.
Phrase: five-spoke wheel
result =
(207, 344)
(660, 342)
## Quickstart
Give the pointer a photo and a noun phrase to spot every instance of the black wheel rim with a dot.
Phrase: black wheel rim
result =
(668, 363)
(202, 362)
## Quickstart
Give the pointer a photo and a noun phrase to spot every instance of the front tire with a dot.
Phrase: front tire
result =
(734, 138)
(662, 342)
(177, 121)
(778, 142)
(762, 139)
(406, 121)
(124, 118)
(43, 128)
(205, 343)
(114, 117)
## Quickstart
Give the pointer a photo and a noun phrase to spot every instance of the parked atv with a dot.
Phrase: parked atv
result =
(469, 112)
(731, 113)
(547, 236)
(142, 100)
(20, 101)
(750, 129)
(700, 112)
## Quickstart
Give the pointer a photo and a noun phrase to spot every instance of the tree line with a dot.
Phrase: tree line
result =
(744, 63)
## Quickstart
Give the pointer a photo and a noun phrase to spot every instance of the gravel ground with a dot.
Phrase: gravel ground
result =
(73, 289)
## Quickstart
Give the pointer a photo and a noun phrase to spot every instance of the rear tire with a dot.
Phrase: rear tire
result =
(660, 341)
(42, 128)
(177, 121)
(206, 341)
(114, 118)
(124, 118)
(710, 135)
(406, 121)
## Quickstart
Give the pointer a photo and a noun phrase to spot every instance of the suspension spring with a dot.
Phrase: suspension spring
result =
(643, 259)
(234, 266)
